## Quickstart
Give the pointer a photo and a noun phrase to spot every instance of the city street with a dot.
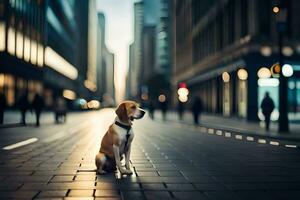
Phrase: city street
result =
(170, 161)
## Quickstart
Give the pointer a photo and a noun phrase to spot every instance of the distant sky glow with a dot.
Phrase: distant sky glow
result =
(119, 35)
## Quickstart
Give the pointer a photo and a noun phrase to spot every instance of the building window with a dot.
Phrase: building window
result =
(11, 40)
(244, 18)
(2, 36)
(20, 40)
(264, 12)
(7, 86)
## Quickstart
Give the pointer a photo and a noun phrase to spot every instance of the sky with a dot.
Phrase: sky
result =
(119, 35)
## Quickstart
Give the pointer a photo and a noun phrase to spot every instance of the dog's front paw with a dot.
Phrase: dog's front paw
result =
(129, 171)
(126, 171)
(101, 172)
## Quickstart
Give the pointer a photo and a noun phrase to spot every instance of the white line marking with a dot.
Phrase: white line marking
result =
(238, 137)
(274, 143)
(291, 146)
(227, 134)
(219, 132)
(211, 131)
(262, 141)
(19, 144)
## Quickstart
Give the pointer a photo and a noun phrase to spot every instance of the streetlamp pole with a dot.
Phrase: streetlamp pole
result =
(281, 17)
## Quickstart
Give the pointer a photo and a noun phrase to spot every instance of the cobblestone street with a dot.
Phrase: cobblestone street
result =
(170, 161)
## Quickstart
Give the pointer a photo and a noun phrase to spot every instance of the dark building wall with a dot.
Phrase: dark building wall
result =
(148, 53)
(212, 37)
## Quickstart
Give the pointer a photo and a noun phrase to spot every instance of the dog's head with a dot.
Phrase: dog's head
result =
(128, 111)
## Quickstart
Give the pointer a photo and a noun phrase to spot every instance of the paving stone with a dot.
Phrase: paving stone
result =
(190, 195)
(154, 195)
(153, 186)
(9, 186)
(151, 174)
(53, 193)
(210, 186)
(18, 194)
(72, 185)
(85, 177)
(81, 193)
(224, 195)
(170, 173)
(107, 186)
(133, 195)
(180, 187)
(79, 198)
(107, 193)
(62, 179)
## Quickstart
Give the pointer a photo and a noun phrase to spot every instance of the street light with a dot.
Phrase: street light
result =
(287, 70)
(281, 22)
(183, 93)
(276, 9)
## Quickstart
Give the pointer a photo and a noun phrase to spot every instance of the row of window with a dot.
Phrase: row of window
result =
(229, 25)
(23, 29)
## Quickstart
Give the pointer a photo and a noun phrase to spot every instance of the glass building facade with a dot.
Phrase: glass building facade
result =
(43, 48)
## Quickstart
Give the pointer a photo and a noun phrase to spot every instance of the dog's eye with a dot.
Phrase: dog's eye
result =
(133, 107)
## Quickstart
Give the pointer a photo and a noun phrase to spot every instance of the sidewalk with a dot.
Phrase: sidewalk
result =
(12, 118)
(237, 125)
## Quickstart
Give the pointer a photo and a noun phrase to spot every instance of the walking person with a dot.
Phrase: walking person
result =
(151, 108)
(180, 110)
(164, 107)
(196, 109)
(23, 106)
(37, 105)
(60, 110)
(267, 106)
(3, 105)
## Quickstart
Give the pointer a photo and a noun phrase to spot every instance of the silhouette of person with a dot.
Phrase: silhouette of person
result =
(196, 109)
(164, 107)
(23, 106)
(151, 108)
(267, 106)
(3, 105)
(180, 110)
(37, 105)
(60, 110)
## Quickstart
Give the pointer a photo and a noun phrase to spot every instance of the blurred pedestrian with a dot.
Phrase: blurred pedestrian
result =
(196, 109)
(37, 105)
(267, 106)
(23, 106)
(163, 103)
(151, 108)
(60, 110)
(180, 110)
(3, 105)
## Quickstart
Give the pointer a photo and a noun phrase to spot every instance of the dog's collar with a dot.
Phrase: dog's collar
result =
(123, 125)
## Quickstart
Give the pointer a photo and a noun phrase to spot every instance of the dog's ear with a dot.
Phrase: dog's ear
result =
(122, 112)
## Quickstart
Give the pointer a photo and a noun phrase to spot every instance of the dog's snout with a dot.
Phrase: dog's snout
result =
(139, 113)
(142, 112)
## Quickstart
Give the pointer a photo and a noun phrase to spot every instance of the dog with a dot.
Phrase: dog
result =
(117, 140)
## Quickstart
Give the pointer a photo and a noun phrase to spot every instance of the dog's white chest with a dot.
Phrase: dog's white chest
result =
(125, 138)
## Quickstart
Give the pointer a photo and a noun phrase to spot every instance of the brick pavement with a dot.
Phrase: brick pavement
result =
(238, 125)
(169, 161)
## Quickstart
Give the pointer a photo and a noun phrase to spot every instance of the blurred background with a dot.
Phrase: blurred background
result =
(162, 53)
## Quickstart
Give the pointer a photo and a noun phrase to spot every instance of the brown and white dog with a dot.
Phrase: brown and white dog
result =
(117, 140)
